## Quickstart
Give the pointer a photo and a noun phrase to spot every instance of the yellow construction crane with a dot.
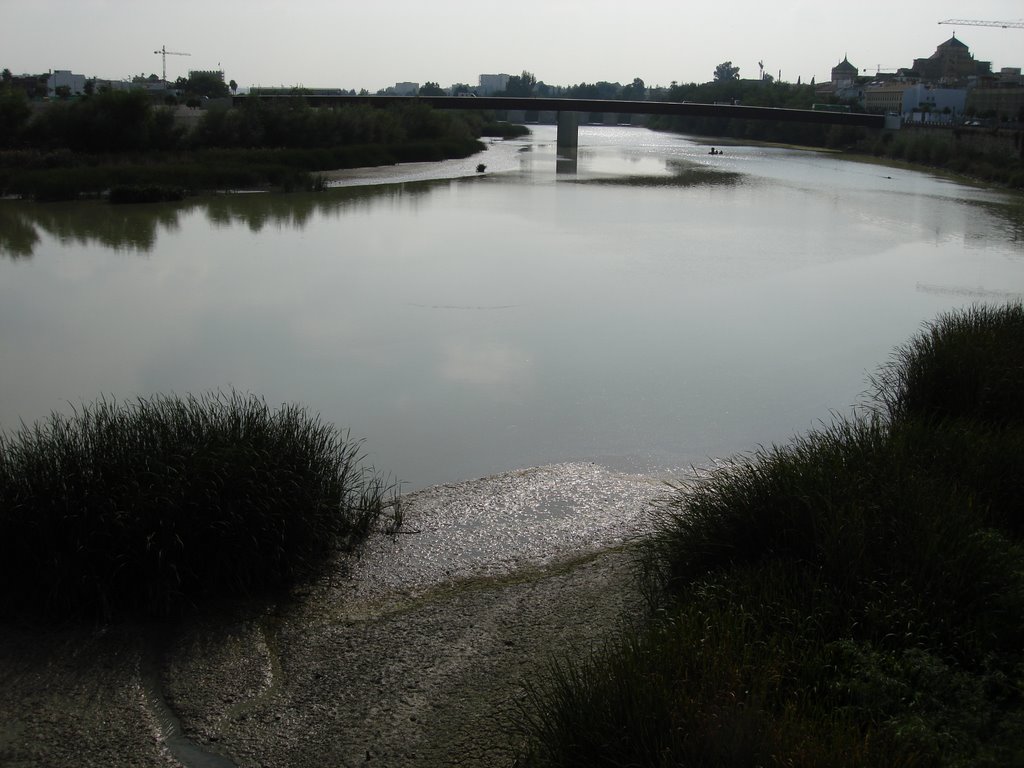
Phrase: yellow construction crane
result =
(976, 23)
(164, 53)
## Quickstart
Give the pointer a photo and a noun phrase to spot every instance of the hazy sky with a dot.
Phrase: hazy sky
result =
(375, 43)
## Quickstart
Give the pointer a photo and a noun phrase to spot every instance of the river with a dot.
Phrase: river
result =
(651, 308)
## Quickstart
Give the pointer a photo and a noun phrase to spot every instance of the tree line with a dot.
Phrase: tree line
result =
(128, 121)
(123, 145)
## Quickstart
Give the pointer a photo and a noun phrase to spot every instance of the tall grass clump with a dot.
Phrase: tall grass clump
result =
(152, 507)
(855, 597)
(967, 364)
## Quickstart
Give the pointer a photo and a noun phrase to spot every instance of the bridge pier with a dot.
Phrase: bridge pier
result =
(568, 130)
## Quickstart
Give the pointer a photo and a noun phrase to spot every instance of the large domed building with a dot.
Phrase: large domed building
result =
(844, 73)
(952, 62)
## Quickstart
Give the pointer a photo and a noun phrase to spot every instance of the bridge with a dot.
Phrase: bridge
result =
(568, 110)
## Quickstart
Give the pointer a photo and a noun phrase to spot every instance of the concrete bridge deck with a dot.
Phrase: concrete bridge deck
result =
(569, 109)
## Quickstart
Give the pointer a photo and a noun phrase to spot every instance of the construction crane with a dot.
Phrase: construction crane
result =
(976, 23)
(164, 53)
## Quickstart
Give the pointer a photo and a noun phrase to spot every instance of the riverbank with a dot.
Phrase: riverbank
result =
(420, 659)
(933, 152)
(655, 398)
(851, 598)
(69, 150)
(48, 177)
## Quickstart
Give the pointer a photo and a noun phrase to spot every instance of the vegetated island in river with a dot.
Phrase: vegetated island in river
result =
(118, 143)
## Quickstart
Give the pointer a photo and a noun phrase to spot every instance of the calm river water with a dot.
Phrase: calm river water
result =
(653, 309)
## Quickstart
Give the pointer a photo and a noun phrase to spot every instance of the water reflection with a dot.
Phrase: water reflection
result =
(678, 307)
(18, 238)
(1010, 216)
(296, 211)
(989, 295)
(120, 228)
(137, 227)
(568, 160)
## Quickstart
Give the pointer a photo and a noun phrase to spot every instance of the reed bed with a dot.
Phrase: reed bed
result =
(967, 364)
(132, 194)
(52, 176)
(153, 507)
(853, 598)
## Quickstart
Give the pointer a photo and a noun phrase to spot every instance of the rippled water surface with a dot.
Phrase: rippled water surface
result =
(645, 306)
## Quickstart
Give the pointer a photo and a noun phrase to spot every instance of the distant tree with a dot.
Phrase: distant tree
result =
(635, 91)
(431, 89)
(458, 88)
(599, 90)
(62, 91)
(90, 87)
(33, 86)
(14, 114)
(233, 86)
(106, 122)
(725, 72)
(6, 76)
(521, 85)
(208, 84)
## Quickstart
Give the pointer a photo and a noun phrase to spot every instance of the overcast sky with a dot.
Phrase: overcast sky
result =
(375, 43)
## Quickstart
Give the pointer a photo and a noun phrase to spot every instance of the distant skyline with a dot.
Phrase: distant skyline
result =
(373, 45)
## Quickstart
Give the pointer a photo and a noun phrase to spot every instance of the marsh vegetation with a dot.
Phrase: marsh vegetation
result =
(852, 598)
(153, 507)
(117, 139)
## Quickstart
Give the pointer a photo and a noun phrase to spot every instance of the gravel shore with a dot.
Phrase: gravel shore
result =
(416, 658)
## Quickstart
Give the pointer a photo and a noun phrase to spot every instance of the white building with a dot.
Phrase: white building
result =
(933, 105)
(65, 77)
(405, 89)
(916, 102)
(492, 84)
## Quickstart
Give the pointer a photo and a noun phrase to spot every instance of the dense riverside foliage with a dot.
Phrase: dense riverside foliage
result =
(855, 598)
(961, 150)
(111, 139)
(964, 151)
(754, 93)
(153, 507)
